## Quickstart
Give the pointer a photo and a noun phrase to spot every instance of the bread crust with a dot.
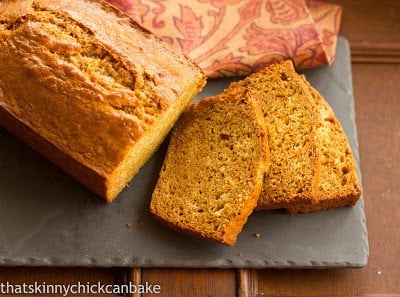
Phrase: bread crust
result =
(89, 88)
(92, 179)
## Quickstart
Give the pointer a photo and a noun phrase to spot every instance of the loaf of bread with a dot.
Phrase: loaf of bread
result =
(292, 119)
(338, 183)
(88, 88)
(212, 174)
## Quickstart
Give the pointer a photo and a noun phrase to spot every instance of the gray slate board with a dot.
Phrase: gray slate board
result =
(48, 219)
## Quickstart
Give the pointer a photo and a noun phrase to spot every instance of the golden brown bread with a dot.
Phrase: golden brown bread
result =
(338, 184)
(88, 88)
(201, 184)
(212, 174)
(292, 118)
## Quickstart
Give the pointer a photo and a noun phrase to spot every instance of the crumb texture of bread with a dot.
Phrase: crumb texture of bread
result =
(291, 119)
(338, 184)
(212, 174)
(89, 85)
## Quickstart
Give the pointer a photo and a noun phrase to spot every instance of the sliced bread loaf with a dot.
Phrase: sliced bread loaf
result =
(90, 89)
(213, 171)
(292, 119)
(338, 184)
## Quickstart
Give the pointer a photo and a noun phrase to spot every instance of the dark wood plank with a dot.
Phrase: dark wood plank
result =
(370, 20)
(377, 97)
(134, 276)
(247, 282)
(192, 282)
(371, 52)
(373, 29)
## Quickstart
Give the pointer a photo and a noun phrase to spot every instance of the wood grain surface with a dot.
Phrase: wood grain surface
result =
(373, 29)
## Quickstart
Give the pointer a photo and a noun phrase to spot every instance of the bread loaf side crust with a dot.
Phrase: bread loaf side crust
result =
(86, 86)
(86, 175)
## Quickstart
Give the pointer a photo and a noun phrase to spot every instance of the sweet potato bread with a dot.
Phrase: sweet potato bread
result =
(88, 88)
(338, 183)
(212, 174)
(291, 118)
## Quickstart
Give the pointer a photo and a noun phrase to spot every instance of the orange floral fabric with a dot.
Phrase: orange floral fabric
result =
(237, 37)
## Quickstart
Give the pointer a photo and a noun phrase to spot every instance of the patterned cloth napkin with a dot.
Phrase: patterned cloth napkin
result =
(237, 37)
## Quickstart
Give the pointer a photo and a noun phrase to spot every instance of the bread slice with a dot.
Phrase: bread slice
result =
(87, 87)
(338, 184)
(292, 119)
(212, 174)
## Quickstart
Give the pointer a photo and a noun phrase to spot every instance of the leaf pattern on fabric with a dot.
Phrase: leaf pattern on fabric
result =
(190, 26)
(300, 44)
(229, 66)
(286, 12)
(237, 37)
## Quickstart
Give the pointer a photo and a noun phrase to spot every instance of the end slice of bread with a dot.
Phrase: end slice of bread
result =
(212, 174)
(338, 185)
(292, 119)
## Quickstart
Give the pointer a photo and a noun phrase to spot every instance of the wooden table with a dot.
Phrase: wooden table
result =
(373, 29)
